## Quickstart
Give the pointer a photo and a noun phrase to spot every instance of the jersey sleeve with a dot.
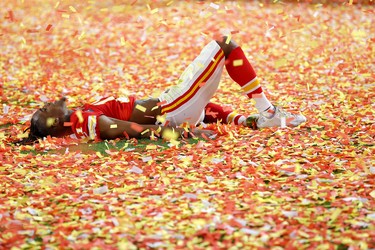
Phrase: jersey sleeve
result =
(85, 124)
(120, 108)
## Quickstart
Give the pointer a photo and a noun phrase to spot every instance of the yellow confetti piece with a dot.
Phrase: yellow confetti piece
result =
(207, 15)
(238, 62)
(65, 15)
(81, 36)
(79, 116)
(298, 30)
(145, 131)
(140, 108)
(120, 190)
(57, 4)
(113, 126)
(50, 121)
(152, 136)
(154, 11)
(174, 142)
(204, 34)
(359, 34)
(161, 119)
(342, 96)
(281, 62)
(335, 215)
(78, 50)
(227, 41)
(151, 147)
(20, 171)
(170, 134)
(158, 130)
(122, 40)
(72, 9)
(372, 194)
(169, 3)
(99, 154)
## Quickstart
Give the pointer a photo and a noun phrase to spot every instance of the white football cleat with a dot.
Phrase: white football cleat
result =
(280, 118)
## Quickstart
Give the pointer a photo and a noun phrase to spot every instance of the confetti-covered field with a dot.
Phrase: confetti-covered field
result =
(307, 187)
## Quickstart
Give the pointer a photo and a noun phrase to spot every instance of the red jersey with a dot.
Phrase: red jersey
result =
(85, 121)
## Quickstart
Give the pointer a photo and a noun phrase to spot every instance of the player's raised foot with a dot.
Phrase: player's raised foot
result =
(280, 118)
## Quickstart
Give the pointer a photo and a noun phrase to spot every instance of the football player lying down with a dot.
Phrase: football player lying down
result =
(185, 103)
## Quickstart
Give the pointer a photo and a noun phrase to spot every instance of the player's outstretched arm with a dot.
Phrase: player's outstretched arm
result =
(111, 128)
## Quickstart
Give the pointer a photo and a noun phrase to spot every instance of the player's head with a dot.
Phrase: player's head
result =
(49, 120)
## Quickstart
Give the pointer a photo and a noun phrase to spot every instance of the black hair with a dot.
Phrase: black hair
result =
(35, 132)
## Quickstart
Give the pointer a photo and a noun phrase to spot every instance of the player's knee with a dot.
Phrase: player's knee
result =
(227, 45)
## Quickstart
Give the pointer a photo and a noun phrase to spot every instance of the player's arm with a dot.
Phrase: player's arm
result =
(111, 128)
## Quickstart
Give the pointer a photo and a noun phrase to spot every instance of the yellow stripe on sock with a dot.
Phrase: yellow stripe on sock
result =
(231, 117)
(251, 86)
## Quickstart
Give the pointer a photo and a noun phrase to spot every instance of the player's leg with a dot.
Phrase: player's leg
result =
(186, 101)
(241, 71)
(217, 113)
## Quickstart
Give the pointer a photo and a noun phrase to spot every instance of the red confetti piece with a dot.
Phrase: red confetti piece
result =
(49, 27)
(202, 84)
(68, 124)
(10, 16)
(161, 103)
(126, 135)
(136, 127)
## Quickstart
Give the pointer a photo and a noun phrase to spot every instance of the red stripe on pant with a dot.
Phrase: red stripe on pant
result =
(191, 92)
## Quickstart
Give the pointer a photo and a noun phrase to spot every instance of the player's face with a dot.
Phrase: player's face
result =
(52, 115)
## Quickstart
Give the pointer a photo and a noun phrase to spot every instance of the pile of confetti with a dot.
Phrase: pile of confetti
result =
(306, 187)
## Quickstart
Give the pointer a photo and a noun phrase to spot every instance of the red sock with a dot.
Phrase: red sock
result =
(215, 112)
(241, 71)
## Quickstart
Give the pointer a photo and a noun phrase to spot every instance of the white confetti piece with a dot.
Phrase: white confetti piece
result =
(214, 6)
(290, 214)
(26, 232)
(115, 222)
(5, 109)
(101, 190)
(217, 160)
(283, 122)
(157, 244)
(43, 98)
(249, 231)
(190, 196)
(210, 179)
(146, 158)
(32, 211)
(136, 170)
